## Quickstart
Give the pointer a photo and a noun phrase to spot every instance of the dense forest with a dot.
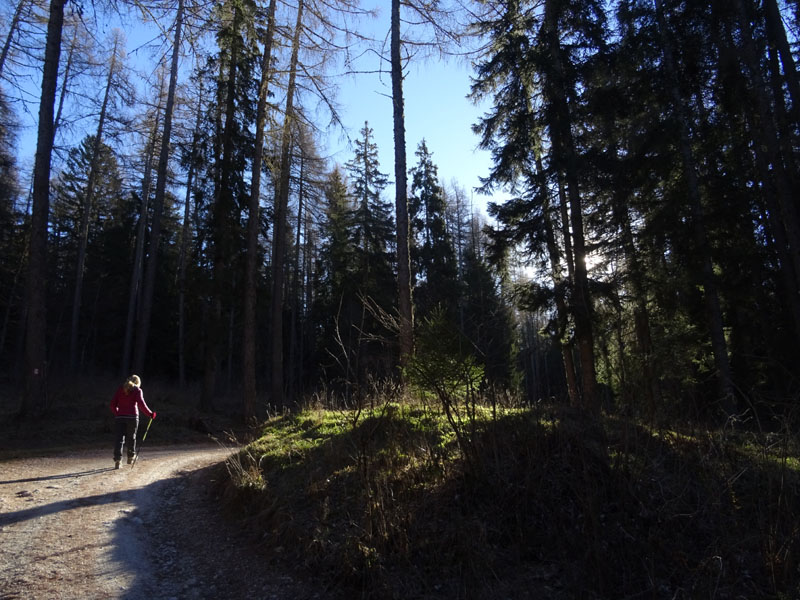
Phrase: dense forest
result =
(185, 225)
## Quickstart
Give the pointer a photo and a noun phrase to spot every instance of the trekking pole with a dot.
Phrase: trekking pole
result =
(144, 437)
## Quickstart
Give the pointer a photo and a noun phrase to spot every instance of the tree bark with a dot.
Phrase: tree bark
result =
(249, 312)
(222, 215)
(404, 301)
(564, 152)
(186, 233)
(562, 310)
(280, 226)
(295, 367)
(768, 138)
(86, 215)
(777, 33)
(158, 200)
(34, 397)
(135, 289)
(12, 28)
(65, 81)
(710, 294)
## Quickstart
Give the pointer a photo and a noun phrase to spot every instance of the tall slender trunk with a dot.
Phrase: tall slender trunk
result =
(562, 311)
(460, 253)
(222, 215)
(564, 152)
(766, 203)
(135, 288)
(186, 233)
(641, 315)
(294, 364)
(769, 139)
(559, 285)
(636, 277)
(34, 397)
(782, 119)
(281, 207)
(771, 212)
(249, 313)
(777, 33)
(65, 80)
(158, 200)
(710, 293)
(88, 201)
(404, 301)
(12, 29)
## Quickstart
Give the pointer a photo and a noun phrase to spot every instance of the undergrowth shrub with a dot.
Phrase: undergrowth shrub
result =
(387, 506)
(444, 370)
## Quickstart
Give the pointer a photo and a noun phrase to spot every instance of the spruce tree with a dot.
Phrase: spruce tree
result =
(372, 237)
(432, 255)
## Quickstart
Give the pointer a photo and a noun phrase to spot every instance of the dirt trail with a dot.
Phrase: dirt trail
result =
(71, 526)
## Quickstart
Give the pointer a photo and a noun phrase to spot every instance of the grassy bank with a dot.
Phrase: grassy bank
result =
(401, 502)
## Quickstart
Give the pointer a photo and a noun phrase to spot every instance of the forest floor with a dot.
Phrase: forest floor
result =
(389, 503)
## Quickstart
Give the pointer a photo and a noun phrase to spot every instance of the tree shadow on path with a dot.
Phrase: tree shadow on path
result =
(60, 476)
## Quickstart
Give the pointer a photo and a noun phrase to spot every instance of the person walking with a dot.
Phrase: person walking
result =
(125, 405)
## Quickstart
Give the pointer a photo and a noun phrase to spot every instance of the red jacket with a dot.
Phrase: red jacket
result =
(125, 404)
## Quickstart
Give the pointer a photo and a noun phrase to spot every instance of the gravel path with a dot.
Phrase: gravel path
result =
(71, 526)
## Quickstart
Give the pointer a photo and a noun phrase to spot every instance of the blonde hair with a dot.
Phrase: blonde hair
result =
(132, 382)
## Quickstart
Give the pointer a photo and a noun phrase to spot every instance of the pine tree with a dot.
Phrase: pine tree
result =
(231, 146)
(148, 288)
(11, 238)
(105, 254)
(534, 76)
(372, 237)
(34, 395)
(336, 308)
(432, 254)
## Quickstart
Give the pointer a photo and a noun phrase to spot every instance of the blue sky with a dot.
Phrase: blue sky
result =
(436, 109)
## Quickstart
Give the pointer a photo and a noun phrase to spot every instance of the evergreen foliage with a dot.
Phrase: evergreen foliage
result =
(646, 259)
(433, 260)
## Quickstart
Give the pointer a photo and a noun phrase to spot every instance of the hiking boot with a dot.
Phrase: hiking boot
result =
(116, 464)
(130, 459)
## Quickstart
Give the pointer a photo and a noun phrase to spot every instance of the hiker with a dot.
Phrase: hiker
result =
(126, 404)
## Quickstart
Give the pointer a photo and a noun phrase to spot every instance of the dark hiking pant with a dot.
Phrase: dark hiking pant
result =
(125, 432)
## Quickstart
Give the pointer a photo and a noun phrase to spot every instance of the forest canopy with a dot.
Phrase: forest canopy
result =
(181, 219)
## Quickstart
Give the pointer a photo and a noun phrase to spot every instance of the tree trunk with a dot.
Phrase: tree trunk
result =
(404, 302)
(777, 34)
(135, 289)
(65, 81)
(562, 310)
(222, 212)
(281, 207)
(249, 316)
(768, 138)
(86, 215)
(294, 363)
(12, 28)
(564, 152)
(158, 201)
(186, 233)
(711, 296)
(34, 397)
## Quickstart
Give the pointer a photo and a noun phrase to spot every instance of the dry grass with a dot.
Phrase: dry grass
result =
(385, 506)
